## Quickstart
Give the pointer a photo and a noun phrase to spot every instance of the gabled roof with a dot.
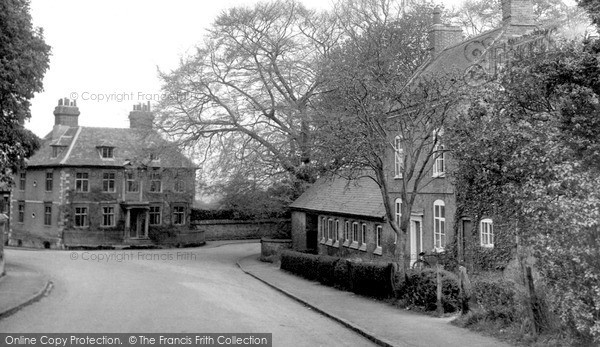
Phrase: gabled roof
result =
(360, 197)
(81, 148)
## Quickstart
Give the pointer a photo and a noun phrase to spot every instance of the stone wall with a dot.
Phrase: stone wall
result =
(270, 249)
(240, 230)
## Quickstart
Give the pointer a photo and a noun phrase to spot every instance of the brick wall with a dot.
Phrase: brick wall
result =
(239, 230)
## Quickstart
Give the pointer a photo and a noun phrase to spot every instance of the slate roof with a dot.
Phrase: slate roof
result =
(81, 148)
(360, 197)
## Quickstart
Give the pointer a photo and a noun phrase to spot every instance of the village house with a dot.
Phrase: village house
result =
(347, 218)
(90, 186)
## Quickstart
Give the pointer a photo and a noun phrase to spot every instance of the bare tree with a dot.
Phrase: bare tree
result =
(376, 111)
(245, 94)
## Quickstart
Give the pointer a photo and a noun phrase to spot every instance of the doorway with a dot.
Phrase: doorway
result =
(137, 223)
(416, 238)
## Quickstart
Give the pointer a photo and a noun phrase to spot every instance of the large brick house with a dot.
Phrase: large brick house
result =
(347, 219)
(91, 186)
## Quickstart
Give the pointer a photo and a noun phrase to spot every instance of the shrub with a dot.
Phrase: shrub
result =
(420, 289)
(159, 234)
(301, 264)
(342, 275)
(372, 279)
(496, 298)
(326, 269)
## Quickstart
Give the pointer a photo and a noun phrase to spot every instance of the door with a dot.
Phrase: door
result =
(312, 233)
(137, 224)
(416, 238)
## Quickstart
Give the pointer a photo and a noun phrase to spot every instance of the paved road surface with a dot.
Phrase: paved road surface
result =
(196, 290)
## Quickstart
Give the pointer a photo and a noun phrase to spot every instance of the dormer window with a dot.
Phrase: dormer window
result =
(106, 152)
(154, 157)
(57, 150)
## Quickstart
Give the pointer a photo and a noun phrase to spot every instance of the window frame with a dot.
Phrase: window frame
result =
(81, 219)
(486, 239)
(347, 230)
(21, 212)
(111, 216)
(363, 237)
(154, 178)
(378, 236)
(156, 214)
(82, 182)
(398, 158)
(132, 184)
(106, 182)
(439, 225)
(355, 234)
(22, 181)
(107, 152)
(176, 213)
(49, 180)
(47, 214)
(179, 186)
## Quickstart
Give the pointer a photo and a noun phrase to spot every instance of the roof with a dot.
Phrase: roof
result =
(81, 148)
(360, 197)
(479, 57)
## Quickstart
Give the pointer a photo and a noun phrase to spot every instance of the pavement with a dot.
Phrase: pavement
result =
(378, 321)
(21, 286)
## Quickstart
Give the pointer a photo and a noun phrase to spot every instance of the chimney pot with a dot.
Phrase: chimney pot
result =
(66, 113)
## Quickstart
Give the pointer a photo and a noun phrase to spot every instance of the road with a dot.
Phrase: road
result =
(195, 290)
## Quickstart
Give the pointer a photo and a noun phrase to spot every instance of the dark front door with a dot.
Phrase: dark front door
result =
(137, 223)
(312, 233)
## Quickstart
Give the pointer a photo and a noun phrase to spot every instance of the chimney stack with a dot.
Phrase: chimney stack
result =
(442, 36)
(517, 12)
(66, 113)
(141, 117)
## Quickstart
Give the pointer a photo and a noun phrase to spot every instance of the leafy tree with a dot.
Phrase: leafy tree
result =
(527, 152)
(244, 96)
(24, 58)
(374, 106)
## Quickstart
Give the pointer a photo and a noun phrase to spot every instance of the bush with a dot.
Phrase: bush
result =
(326, 269)
(420, 289)
(159, 234)
(372, 279)
(496, 298)
(301, 264)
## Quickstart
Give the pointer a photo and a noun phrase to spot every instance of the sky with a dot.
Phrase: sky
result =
(106, 54)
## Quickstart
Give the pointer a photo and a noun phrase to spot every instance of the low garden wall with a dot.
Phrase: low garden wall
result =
(92, 238)
(270, 249)
(241, 230)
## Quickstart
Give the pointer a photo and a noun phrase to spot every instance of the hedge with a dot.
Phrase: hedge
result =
(420, 289)
(496, 298)
(371, 279)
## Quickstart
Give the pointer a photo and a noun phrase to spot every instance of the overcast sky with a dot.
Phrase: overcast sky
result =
(111, 49)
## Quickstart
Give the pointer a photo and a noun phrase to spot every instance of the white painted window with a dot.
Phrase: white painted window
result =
(336, 230)
(439, 225)
(486, 232)
(378, 232)
(398, 157)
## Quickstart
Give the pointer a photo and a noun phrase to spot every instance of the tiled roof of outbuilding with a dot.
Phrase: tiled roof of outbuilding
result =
(81, 148)
(360, 197)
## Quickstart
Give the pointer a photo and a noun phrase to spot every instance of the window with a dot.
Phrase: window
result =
(439, 167)
(179, 186)
(336, 232)
(398, 157)
(323, 229)
(81, 217)
(21, 212)
(355, 232)
(81, 182)
(179, 215)
(363, 237)
(108, 216)
(329, 230)
(154, 156)
(49, 178)
(155, 216)
(48, 214)
(378, 234)
(106, 152)
(22, 180)
(486, 229)
(346, 233)
(439, 221)
(57, 150)
(155, 182)
(132, 183)
(108, 182)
